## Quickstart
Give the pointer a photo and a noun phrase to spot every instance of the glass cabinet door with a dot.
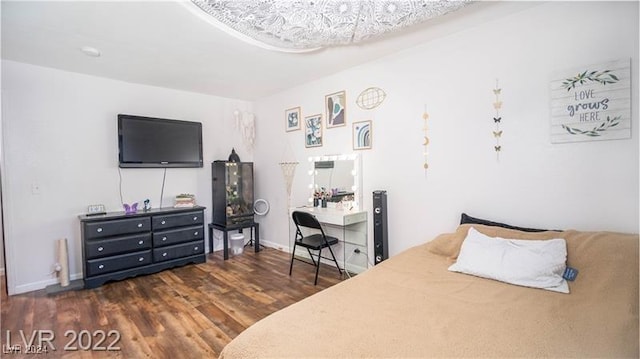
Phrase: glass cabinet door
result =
(232, 193)
(239, 188)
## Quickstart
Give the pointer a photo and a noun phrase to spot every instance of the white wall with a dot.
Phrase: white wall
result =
(587, 186)
(60, 134)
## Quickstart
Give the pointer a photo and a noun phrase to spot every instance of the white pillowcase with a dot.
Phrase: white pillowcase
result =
(529, 263)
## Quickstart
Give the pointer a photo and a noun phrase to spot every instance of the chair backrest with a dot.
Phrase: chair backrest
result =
(305, 219)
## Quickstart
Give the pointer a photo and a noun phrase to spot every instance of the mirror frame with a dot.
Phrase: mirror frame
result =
(356, 172)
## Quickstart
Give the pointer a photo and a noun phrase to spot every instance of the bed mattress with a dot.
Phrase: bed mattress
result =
(412, 306)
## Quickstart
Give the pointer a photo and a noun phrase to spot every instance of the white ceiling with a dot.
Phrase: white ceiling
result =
(166, 44)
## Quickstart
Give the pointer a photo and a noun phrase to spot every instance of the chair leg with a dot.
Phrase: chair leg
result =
(293, 253)
(335, 260)
(318, 266)
(311, 256)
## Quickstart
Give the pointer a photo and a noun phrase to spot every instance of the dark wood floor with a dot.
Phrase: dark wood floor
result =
(186, 312)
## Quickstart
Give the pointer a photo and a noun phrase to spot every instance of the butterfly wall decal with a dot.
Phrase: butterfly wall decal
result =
(497, 133)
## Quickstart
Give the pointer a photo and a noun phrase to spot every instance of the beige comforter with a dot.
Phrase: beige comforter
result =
(411, 306)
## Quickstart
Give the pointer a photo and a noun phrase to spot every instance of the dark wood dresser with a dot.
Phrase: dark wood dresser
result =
(116, 245)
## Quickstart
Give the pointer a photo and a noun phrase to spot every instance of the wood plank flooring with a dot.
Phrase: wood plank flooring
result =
(186, 312)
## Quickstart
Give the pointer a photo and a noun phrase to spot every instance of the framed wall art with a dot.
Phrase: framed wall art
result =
(313, 131)
(591, 102)
(336, 107)
(292, 119)
(362, 135)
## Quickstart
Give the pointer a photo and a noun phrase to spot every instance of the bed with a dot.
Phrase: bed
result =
(411, 305)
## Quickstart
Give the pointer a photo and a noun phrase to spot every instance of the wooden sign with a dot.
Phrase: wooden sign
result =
(591, 103)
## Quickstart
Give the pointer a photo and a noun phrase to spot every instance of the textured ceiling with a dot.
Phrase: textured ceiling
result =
(302, 26)
(167, 44)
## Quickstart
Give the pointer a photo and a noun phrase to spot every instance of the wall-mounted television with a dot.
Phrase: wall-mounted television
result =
(147, 142)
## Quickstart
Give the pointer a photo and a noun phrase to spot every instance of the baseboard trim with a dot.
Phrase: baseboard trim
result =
(274, 245)
(265, 243)
(30, 287)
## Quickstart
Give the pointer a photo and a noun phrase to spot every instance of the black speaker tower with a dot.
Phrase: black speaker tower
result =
(380, 230)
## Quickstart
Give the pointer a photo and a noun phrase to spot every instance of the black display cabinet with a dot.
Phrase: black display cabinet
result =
(232, 188)
(232, 205)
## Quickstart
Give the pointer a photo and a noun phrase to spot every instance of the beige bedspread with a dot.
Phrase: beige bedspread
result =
(411, 306)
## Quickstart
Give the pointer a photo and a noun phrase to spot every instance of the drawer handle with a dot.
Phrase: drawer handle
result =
(140, 242)
(164, 254)
(99, 229)
(100, 249)
(140, 259)
(195, 248)
(195, 233)
(163, 222)
(139, 225)
(164, 239)
(195, 218)
(101, 266)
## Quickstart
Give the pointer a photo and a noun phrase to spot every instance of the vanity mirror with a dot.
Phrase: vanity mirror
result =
(338, 176)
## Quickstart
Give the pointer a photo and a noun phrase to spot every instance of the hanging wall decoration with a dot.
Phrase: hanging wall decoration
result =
(335, 105)
(245, 123)
(288, 171)
(591, 103)
(371, 98)
(425, 117)
(497, 119)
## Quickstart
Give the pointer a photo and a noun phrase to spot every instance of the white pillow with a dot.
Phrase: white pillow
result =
(529, 263)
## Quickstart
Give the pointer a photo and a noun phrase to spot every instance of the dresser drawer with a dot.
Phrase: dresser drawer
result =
(178, 251)
(117, 227)
(175, 236)
(106, 247)
(119, 262)
(177, 220)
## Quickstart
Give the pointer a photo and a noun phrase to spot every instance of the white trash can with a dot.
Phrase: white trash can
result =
(237, 243)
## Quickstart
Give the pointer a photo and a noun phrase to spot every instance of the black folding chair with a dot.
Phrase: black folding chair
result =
(316, 241)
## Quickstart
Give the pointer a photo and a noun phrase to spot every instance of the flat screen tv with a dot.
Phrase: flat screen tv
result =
(146, 142)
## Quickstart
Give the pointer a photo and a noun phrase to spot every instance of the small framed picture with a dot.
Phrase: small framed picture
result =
(362, 135)
(292, 119)
(313, 131)
(336, 107)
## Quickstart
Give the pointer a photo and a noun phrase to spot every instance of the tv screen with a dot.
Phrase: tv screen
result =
(146, 142)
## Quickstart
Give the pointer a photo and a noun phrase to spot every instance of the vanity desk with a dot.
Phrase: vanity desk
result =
(349, 226)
